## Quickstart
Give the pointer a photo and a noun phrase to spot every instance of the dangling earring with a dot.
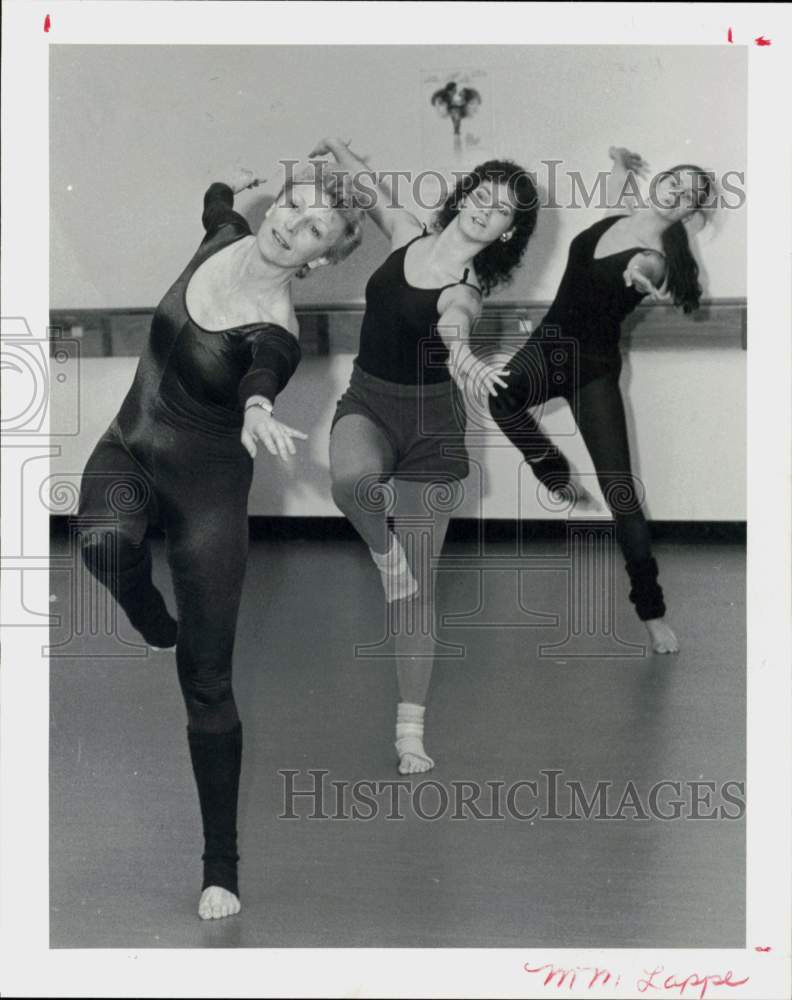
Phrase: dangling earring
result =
(507, 236)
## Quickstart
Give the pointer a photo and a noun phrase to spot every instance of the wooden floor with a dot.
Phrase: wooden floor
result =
(125, 828)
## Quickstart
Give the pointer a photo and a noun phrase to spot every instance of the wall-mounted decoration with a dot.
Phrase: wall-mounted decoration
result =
(456, 116)
(456, 102)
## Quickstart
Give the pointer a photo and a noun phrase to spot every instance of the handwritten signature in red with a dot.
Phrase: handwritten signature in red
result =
(590, 976)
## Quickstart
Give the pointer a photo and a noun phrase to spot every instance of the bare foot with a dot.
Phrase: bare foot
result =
(413, 759)
(663, 638)
(216, 903)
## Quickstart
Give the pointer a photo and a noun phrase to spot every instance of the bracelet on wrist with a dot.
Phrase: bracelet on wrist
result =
(263, 403)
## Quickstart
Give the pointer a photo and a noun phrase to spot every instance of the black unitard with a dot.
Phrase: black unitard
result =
(574, 353)
(173, 455)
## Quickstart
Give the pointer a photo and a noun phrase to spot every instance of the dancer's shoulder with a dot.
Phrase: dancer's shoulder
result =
(405, 229)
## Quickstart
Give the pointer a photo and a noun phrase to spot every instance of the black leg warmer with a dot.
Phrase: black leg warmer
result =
(646, 593)
(217, 760)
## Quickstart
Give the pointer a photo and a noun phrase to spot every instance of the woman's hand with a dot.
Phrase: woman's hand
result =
(636, 278)
(330, 146)
(370, 192)
(241, 178)
(629, 162)
(477, 375)
(276, 437)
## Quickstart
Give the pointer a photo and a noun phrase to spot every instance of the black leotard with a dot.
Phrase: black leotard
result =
(400, 324)
(589, 307)
(202, 376)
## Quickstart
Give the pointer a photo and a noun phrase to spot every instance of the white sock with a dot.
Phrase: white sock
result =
(397, 578)
(409, 739)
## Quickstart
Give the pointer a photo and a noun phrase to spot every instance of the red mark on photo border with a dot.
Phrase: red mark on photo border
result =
(760, 948)
(761, 40)
(47, 23)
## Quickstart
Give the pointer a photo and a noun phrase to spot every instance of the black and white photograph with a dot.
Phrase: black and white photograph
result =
(396, 523)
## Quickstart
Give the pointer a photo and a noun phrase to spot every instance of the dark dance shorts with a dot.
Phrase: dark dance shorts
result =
(425, 424)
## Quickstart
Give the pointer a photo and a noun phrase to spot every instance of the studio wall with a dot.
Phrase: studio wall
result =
(138, 132)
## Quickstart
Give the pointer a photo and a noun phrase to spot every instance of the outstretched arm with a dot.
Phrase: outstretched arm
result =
(372, 193)
(461, 307)
(275, 355)
(622, 184)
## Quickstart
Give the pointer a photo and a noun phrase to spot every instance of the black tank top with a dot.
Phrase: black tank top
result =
(592, 299)
(399, 341)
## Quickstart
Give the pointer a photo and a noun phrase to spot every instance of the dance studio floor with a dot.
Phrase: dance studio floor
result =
(125, 827)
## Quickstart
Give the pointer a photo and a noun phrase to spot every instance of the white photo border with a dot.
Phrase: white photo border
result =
(28, 966)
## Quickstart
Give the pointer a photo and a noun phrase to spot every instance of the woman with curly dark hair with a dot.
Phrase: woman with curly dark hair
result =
(495, 263)
(574, 354)
(402, 417)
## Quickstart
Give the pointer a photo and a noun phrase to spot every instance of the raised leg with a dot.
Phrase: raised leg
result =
(116, 506)
(512, 410)
(361, 460)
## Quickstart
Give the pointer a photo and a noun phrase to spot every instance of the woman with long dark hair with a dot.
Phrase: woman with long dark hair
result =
(223, 343)
(574, 354)
(402, 417)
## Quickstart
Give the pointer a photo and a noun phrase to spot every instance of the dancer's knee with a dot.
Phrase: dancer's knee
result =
(211, 691)
(93, 545)
(210, 704)
(102, 548)
(343, 490)
(355, 492)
